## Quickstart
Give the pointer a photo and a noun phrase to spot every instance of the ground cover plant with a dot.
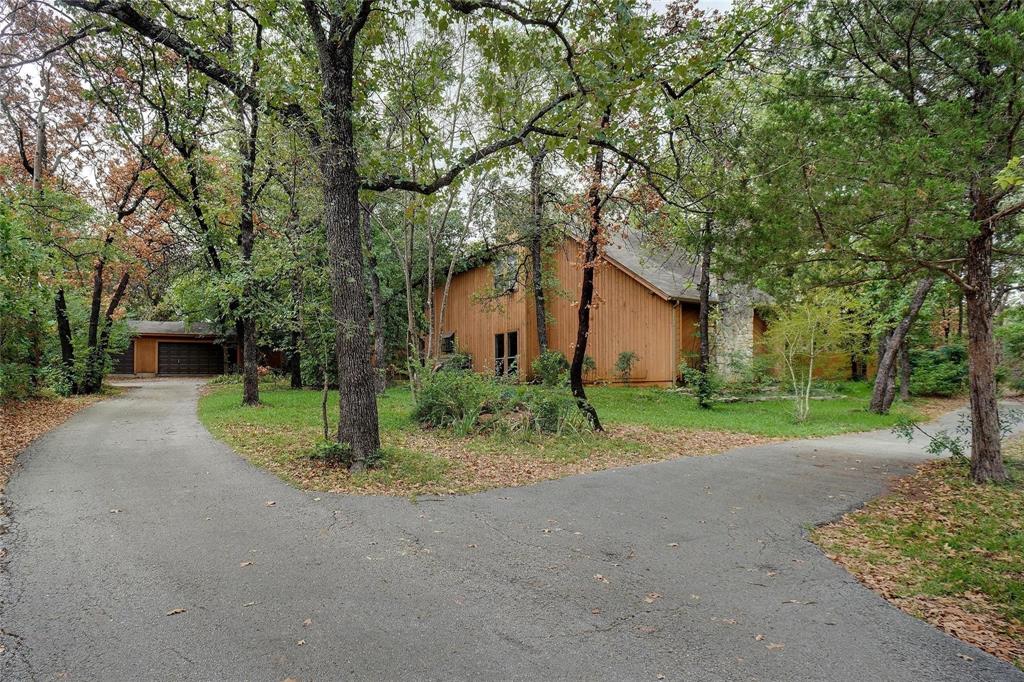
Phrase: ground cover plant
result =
(946, 550)
(495, 434)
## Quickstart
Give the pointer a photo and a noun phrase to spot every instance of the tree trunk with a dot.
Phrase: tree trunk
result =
(704, 287)
(881, 396)
(67, 348)
(537, 248)
(904, 371)
(358, 422)
(246, 240)
(376, 299)
(591, 251)
(98, 354)
(986, 453)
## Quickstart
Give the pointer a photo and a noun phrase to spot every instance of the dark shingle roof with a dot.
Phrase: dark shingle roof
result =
(667, 269)
(176, 327)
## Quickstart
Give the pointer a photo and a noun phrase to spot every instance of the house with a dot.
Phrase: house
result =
(182, 349)
(646, 302)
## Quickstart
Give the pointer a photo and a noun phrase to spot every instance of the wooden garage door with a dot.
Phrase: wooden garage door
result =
(125, 362)
(189, 358)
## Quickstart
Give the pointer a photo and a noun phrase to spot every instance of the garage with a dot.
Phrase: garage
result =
(125, 362)
(189, 358)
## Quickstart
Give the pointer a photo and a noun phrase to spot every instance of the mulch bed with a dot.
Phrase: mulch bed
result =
(21, 422)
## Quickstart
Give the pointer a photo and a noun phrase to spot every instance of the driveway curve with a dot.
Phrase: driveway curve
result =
(695, 568)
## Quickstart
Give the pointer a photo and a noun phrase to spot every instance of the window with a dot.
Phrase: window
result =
(506, 268)
(506, 353)
(448, 343)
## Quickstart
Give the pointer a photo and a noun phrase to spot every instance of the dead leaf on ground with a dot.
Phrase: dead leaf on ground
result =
(652, 597)
(174, 612)
(306, 623)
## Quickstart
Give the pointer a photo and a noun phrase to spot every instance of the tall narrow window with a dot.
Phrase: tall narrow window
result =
(506, 353)
(512, 353)
(499, 354)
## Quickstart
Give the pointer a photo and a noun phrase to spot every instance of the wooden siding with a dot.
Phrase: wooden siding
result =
(627, 316)
(476, 320)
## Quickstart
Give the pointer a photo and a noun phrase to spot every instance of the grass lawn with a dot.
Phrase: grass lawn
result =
(946, 550)
(661, 409)
(642, 425)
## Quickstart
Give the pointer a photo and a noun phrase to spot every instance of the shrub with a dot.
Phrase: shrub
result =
(456, 361)
(752, 374)
(624, 365)
(1011, 335)
(938, 372)
(550, 367)
(706, 385)
(457, 398)
(553, 411)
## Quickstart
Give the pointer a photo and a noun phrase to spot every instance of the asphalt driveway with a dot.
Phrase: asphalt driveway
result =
(690, 569)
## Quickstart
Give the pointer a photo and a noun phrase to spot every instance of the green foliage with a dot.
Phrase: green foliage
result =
(457, 361)
(806, 329)
(456, 399)
(551, 368)
(553, 410)
(1010, 334)
(706, 385)
(625, 363)
(938, 372)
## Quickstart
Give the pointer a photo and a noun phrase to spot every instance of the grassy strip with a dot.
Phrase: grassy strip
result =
(661, 409)
(946, 550)
(644, 425)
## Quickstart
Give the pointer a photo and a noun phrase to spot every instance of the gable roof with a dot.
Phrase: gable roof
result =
(667, 270)
(176, 327)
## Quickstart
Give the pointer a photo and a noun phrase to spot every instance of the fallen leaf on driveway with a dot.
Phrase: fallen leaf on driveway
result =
(772, 646)
(115, 511)
(673, 544)
(174, 612)
(652, 597)
(759, 637)
(595, 611)
(244, 564)
(306, 623)
(249, 603)
(965, 657)
(301, 642)
(600, 578)
(269, 503)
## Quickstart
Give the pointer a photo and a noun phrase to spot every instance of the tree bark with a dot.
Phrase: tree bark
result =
(98, 353)
(358, 421)
(248, 141)
(903, 369)
(704, 287)
(537, 247)
(67, 348)
(881, 396)
(591, 251)
(986, 452)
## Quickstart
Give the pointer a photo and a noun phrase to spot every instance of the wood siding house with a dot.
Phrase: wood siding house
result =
(179, 349)
(645, 301)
